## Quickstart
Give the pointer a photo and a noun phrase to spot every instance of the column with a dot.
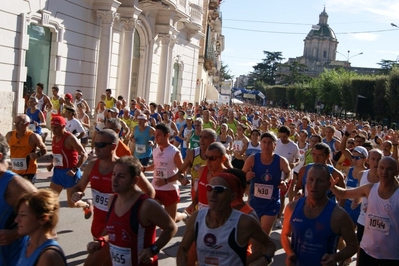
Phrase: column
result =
(172, 42)
(164, 40)
(126, 57)
(104, 56)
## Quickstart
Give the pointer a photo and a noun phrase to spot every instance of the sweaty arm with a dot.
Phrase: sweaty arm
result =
(187, 241)
(73, 144)
(286, 234)
(342, 193)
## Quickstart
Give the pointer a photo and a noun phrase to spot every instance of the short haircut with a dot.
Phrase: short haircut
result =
(165, 130)
(199, 119)
(154, 105)
(4, 148)
(108, 90)
(323, 168)
(330, 127)
(284, 129)
(361, 137)
(41, 85)
(55, 88)
(132, 163)
(43, 203)
(110, 134)
(322, 147)
(217, 146)
(116, 124)
(120, 97)
(211, 133)
(269, 134)
(319, 138)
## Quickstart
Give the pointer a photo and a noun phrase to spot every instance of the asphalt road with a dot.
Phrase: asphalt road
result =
(74, 231)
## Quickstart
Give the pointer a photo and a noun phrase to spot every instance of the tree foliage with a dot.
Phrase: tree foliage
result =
(387, 66)
(266, 71)
(225, 72)
(296, 73)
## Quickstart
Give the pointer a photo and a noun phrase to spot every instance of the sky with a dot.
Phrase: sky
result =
(361, 26)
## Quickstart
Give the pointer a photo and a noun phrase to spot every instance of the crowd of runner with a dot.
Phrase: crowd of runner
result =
(243, 163)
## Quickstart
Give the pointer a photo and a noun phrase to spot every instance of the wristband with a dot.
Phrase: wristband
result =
(101, 240)
(347, 134)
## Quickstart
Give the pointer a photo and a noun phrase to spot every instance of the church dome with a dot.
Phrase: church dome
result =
(322, 29)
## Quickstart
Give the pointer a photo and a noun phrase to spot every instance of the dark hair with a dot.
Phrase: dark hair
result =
(319, 138)
(284, 129)
(322, 147)
(108, 90)
(55, 88)
(120, 97)
(323, 167)
(269, 134)
(165, 130)
(43, 202)
(41, 85)
(154, 105)
(132, 163)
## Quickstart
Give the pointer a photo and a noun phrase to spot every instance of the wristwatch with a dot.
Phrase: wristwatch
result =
(154, 250)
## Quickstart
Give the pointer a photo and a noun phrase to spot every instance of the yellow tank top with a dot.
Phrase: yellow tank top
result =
(109, 103)
(21, 163)
(55, 110)
(197, 163)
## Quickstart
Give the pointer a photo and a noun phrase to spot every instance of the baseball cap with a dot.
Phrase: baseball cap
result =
(113, 110)
(68, 96)
(362, 150)
(144, 117)
(256, 112)
(189, 117)
(58, 121)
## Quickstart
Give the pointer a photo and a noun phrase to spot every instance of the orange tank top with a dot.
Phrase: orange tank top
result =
(21, 162)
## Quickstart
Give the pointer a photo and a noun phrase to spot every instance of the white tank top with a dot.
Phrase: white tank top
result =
(301, 158)
(186, 132)
(381, 230)
(100, 118)
(164, 167)
(237, 145)
(213, 245)
(40, 103)
(255, 123)
(362, 216)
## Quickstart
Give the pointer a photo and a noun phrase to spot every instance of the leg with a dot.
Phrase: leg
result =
(56, 188)
(266, 222)
(100, 257)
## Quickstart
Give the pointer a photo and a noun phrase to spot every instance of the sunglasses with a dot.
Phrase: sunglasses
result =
(357, 157)
(217, 189)
(101, 144)
(212, 158)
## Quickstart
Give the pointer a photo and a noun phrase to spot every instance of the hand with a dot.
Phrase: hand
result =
(184, 181)
(7, 236)
(71, 173)
(93, 246)
(33, 155)
(290, 260)
(327, 260)
(76, 196)
(50, 167)
(190, 209)
(249, 175)
(355, 203)
(146, 256)
(349, 127)
(333, 181)
(283, 186)
(151, 143)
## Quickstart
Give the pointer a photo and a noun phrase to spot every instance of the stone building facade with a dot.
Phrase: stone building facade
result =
(155, 49)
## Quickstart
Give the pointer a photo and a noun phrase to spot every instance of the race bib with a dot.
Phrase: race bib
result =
(263, 191)
(100, 200)
(32, 127)
(140, 148)
(120, 256)
(19, 164)
(161, 173)
(57, 160)
(378, 224)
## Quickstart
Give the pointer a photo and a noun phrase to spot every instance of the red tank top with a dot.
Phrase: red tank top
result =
(64, 158)
(202, 182)
(127, 237)
(101, 189)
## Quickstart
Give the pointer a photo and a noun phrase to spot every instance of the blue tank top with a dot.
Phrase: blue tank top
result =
(330, 144)
(180, 124)
(9, 255)
(142, 149)
(352, 182)
(312, 238)
(307, 130)
(155, 116)
(252, 149)
(32, 259)
(330, 195)
(34, 118)
(264, 191)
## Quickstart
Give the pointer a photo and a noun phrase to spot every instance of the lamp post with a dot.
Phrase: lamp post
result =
(348, 57)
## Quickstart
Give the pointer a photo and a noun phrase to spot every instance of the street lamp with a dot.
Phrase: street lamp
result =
(348, 57)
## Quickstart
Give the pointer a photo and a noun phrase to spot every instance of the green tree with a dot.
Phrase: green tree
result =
(293, 73)
(386, 66)
(225, 72)
(266, 71)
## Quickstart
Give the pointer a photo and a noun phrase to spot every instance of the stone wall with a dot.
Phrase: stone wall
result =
(6, 111)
